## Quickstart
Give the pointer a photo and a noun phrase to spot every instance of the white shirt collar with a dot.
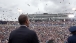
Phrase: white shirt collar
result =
(24, 25)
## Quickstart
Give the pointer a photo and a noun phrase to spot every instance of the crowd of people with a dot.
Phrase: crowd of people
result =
(46, 30)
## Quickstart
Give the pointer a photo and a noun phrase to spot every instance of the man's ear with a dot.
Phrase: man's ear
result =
(26, 22)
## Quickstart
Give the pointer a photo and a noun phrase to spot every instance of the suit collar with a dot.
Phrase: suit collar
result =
(23, 26)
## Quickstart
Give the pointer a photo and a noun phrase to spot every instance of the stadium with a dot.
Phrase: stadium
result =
(47, 26)
(48, 17)
(37, 21)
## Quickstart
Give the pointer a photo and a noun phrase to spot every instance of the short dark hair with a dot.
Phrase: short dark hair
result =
(51, 41)
(74, 32)
(22, 19)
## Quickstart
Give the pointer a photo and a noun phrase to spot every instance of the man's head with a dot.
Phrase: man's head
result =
(72, 29)
(51, 41)
(23, 20)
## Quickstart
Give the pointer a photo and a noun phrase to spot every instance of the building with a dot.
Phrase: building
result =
(47, 17)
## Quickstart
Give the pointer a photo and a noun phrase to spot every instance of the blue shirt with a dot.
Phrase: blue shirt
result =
(72, 39)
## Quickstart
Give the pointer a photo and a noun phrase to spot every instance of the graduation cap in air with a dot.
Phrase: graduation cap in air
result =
(3, 14)
(15, 18)
(28, 4)
(60, 2)
(69, 3)
(3, 11)
(46, 4)
(4, 18)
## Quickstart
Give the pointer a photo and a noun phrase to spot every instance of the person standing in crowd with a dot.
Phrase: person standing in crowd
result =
(23, 34)
(72, 39)
(50, 41)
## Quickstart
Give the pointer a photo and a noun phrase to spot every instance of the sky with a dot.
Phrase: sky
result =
(11, 9)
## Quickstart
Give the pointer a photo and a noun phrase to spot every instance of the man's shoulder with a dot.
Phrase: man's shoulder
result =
(32, 32)
(13, 31)
(70, 37)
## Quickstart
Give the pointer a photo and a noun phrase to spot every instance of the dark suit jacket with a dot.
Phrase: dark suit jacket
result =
(23, 35)
(72, 39)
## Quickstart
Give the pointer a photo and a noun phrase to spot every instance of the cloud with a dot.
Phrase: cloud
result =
(58, 6)
(55, 6)
(33, 6)
(35, 3)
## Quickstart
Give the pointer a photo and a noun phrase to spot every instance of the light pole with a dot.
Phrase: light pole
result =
(71, 16)
(74, 9)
